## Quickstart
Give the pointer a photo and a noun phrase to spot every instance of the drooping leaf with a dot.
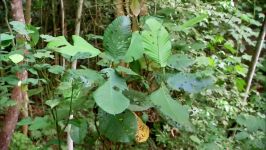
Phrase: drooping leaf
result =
(135, 7)
(125, 70)
(25, 121)
(188, 24)
(52, 103)
(84, 46)
(118, 128)
(109, 96)
(116, 38)
(169, 107)
(39, 123)
(61, 45)
(16, 58)
(4, 37)
(34, 35)
(19, 27)
(143, 131)
(56, 69)
(135, 50)
(78, 131)
(180, 62)
(156, 42)
(188, 82)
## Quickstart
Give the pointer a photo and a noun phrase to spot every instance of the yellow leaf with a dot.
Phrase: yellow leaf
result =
(135, 7)
(143, 131)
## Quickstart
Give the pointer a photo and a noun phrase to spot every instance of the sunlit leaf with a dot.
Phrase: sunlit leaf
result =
(156, 42)
(16, 58)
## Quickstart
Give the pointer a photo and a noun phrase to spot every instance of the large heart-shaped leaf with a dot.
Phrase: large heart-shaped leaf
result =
(116, 38)
(188, 82)
(169, 107)
(80, 46)
(118, 128)
(109, 96)
(180, 62)
(156, 42)
(83, 46)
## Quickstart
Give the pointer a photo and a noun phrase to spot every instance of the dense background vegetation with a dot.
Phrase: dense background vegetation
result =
(132, 74)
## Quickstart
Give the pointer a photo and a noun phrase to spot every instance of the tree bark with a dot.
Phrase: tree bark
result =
(119, 7)
(18, 94)
(28, 12)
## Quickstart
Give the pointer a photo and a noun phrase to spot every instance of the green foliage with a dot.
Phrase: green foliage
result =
(79, 48)
(169, 107)
(156, 42)
(183, 74)
(116, 37)
(109, 96)
(22, 142)
(188, 82)
(125, 125)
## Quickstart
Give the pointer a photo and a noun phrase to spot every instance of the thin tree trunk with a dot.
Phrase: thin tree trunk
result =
(18, 94)
(54, 30)
(28, 12)
(25, 112)
(255, 59)
(119, 7)
(74, 66)
(63, 26)
(77, 28)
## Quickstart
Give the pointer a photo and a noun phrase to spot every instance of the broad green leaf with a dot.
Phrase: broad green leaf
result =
(109, 96)
(188, 82)
(240, 84)
(5, 37)
(188, 24)
(57, 42)
(34, 35)
(80, 47)
(16, 58)
(19, 27)
(118, 128)
(56, 69)
(125, 70)
(45, 54)
(241, 135)
(116, 38)
(78, 131)
(252, 123)
(195, 139)
(138, 101)
(47, 38)
(180, 62)
(83, 46)
(169, 107)
(25, 121)
(39, 123)
(52, 103)
(156, 42)
(135, 50)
